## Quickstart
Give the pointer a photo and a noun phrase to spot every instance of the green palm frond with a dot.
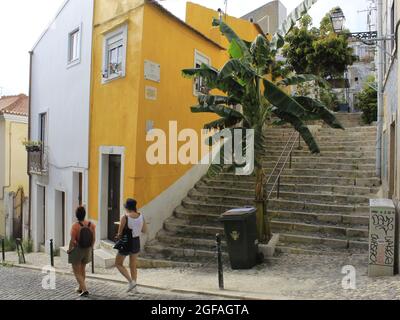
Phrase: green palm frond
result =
(300, 127)
(280, 99)
(315, 110)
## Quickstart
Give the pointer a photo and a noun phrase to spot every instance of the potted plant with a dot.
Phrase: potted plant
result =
(32, 146)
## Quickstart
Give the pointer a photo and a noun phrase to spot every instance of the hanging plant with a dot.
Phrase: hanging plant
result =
(32, 146)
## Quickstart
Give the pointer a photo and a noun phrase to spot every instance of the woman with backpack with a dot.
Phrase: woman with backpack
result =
(80, 248)
(132, 225)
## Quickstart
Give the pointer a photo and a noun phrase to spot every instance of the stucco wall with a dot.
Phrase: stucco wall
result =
(2, 174)
(63, 91)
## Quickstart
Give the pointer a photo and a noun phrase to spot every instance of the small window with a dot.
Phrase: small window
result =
(199, 83)
(42, 128)
(74, 46)
(115, 54)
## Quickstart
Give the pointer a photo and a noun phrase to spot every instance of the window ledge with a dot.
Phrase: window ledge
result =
(107, 80)
(73, 63)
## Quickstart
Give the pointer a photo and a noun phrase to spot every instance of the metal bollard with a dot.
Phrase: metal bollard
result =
(290, 164)
(93, 260)
(3, 250)
(220, 264)
(20, 251)
(51, 253)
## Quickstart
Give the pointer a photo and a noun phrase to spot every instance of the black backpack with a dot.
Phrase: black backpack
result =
(85, 236)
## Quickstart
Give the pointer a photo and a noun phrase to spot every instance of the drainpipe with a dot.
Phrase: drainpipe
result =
(381, 56)
(29, 138)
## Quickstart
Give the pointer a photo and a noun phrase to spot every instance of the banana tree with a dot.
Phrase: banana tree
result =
(245, 81)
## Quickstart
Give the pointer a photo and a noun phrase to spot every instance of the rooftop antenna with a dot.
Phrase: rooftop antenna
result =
(226, 8)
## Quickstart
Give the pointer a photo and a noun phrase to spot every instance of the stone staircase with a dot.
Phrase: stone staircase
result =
(322, 209)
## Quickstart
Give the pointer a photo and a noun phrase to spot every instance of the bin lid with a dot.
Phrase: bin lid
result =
(238, 212)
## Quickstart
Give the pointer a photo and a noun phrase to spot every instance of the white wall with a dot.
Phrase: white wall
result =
(2, 177)
(64, 93)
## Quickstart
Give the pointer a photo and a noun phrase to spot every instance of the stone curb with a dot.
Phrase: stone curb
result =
(225, 294)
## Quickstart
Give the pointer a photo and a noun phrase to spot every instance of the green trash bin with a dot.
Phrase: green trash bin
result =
(240, 227)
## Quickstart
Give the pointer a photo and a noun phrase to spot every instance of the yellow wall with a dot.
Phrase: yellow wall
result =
(114, 106)
(119, 109)
(201, 18)
(172, 45)
(14, 134)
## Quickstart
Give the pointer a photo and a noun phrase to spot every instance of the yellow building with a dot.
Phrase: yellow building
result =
(14, 182)
(139, 51)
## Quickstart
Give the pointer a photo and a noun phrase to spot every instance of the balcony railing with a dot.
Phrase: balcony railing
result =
(38, 162)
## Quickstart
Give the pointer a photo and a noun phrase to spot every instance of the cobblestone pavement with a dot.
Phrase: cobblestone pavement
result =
(288, 276)
(22, 284)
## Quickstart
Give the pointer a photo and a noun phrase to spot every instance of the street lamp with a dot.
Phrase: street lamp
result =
(337, 19)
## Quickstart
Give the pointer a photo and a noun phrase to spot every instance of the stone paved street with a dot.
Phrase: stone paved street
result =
(287, 276)
(22, 284)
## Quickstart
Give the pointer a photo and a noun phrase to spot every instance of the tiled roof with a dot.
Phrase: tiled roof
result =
(14, 105)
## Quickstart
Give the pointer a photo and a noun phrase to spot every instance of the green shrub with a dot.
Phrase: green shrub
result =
(27, 244)
(9, 244)
(367, 101)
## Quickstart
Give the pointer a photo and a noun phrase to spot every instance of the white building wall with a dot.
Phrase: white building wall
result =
(63, 92)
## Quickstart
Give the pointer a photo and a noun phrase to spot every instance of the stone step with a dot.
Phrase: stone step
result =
(330, 130)
(355, 174)
(276, 204)
(323, 165)
(249, 186)
(183, 253)
(324, 148)
(172, 239)
(324, 218)
(316, 196)
(181, 227)
(347, 135)
(336, 243)
(330, 154)
(329, 143)
(302, 249)
(311, 179)
(105, 258)
(319, 159)
(197, 217)
(303, 206)
(283, 226)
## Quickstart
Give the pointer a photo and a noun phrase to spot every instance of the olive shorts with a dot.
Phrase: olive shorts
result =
(80, 256)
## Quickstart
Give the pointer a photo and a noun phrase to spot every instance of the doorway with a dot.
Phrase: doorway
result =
(41, 215)
(60, 217)
(392, 160)
(114, 194)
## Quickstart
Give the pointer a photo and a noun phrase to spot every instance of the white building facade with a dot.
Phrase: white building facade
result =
(59, 121)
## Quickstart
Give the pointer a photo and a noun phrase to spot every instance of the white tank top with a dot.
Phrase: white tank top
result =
(136, 225)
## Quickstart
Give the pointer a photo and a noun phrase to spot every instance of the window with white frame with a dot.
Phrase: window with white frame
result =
(74, 46)
(114, 60)
(199, 82)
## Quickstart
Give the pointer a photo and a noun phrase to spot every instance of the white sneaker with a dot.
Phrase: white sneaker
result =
(132, 287)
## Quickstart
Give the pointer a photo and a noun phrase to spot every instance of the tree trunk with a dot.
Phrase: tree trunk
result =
(263, 228)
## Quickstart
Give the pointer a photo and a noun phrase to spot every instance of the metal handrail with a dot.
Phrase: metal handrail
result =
(288, 157)
(279, 160)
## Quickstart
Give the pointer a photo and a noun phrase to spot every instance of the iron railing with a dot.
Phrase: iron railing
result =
(288, 152)
(38, 162)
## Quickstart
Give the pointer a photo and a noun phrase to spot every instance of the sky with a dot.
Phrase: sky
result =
(23, 21)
